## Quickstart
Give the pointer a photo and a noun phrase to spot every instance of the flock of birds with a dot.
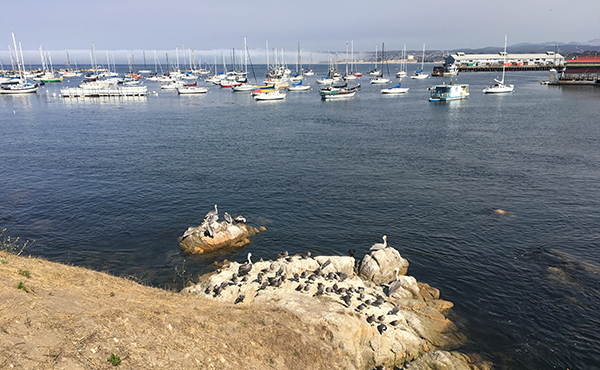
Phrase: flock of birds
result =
(211, 219)
(326, 284)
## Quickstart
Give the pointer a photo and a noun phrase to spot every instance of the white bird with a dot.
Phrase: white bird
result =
(379, 246)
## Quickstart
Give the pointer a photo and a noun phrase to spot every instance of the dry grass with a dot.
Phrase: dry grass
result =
(75, 318)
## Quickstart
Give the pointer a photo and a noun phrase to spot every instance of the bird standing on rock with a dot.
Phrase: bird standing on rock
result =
(211, 214)
(246, 267)
(380, 246)
(228, 218)
(240, 298)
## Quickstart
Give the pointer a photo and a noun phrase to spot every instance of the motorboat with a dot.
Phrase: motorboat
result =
(448, 92)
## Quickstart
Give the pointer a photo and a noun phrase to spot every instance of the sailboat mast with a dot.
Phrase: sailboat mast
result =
(17, 55)
(504, 63)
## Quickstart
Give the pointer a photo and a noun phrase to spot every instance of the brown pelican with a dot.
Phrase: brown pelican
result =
(246, 267)
(228, 218)
(239, 219)
(379, 246)
(210, 230)
(212, 213)
(396, 284)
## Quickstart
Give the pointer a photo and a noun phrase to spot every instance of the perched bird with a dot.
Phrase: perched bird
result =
(239, 219)
(300, 287)
(379, 301)
(305, 255)
(396, 284)
(246, 267)
(228, 218)
(394, 310)
(381, 318)
(209, 230)
(379, 246)
(381, 328)
(361, 306)
(394, 323)
(371, 319)
(240, 298)
(212, 213)
(351, 252)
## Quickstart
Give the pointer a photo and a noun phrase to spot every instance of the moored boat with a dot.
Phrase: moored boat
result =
(398, 89)
(270, 95)
(186, 90)
(448, 92)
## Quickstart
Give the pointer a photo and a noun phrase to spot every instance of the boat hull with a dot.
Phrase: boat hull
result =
(395, 90)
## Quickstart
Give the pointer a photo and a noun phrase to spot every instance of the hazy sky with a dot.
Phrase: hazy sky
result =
(128, 25)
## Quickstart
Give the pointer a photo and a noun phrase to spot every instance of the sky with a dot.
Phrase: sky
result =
(130, 26)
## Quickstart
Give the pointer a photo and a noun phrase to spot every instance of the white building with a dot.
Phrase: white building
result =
(488, 60)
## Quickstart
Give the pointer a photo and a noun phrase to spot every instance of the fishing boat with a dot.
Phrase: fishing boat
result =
(448, 92)
(419, 75)
(398, 89)
(499, 87)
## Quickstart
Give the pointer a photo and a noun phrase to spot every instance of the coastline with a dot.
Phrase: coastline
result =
(73, 318)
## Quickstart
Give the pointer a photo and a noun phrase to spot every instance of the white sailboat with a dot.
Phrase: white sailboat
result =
(398, 89)
(402, 72)
(380, 79)
(419, 75)
(499, 86)
(22, 86)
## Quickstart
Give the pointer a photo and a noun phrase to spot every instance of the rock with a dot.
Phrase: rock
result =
(379, 266)
(226, 236)
(437, 360)
(427, 292)
(414, 330)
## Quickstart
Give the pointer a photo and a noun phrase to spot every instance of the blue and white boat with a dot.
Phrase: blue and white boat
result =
(448, 92)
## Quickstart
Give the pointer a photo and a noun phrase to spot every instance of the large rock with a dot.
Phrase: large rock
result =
(416, 327)
(378, 266)
(196, 240)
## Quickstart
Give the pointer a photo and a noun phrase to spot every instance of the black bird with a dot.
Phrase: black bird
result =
(379, 301)
(296, 277)
(312, 277)
(351, 252)
(245, 278)
(394, 323)
(300, 287)
(361, 306)
(304, 274)
(381, 318)
(342, 276)
(240, 298)
(381, 328)
(371, 319)
(279, 272)
(394, 310)
(319, 290)
(335, 287)
(306, 287)
(305, 255)
(329, 289)
(264, 285)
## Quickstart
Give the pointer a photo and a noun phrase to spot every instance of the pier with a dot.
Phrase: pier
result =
(104, 92)
(498, 68)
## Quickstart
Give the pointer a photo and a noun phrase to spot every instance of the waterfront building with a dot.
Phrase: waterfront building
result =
(581, 70)
(530, 61)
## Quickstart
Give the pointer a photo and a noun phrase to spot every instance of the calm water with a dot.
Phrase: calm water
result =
(111, 183)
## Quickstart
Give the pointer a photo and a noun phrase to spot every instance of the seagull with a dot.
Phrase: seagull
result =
(228, 218)
(246, 267)
(379, 246)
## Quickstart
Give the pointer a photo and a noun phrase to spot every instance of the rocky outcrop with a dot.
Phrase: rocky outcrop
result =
(371, 327)
(379, 266)
(196, 240)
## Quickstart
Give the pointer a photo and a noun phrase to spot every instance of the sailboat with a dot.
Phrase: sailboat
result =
(310, 72)
(402, 72)
(21, 86)
(499, 86)
(375, 71)
(419, 75)
(381, 80)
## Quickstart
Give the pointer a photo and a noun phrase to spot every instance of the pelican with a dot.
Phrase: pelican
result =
(396, 284)
(228, 218)
(240, 219)
(210, 230)
(212, 213)
(379, 246)
(246, 267)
